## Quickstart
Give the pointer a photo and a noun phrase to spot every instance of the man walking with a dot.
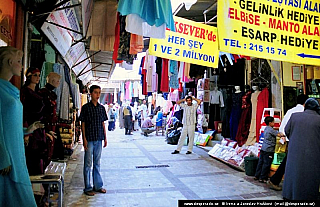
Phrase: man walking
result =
(92, 117)
(188, 121)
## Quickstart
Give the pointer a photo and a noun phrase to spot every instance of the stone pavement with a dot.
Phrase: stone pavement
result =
(194, 176)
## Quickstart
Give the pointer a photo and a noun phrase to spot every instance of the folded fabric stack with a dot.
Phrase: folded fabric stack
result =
(229, 152)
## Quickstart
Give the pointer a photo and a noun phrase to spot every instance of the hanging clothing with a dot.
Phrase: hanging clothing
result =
(124, 43)
(15, 188)
(116, 41)
(136, 25)
(252, 131)
(165, 77)
(216, 101)
(144, 77)
(245, 120)
(158, 71)
(136, 44)
(102, 25)
(127, 87)
(174, 81)
(47, 68)
(235, 114)
(186, 78)
(214, 115)
(263, 102)
(156, 12)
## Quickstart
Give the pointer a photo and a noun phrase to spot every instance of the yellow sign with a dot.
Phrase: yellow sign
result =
(192, 42)
(283, 30)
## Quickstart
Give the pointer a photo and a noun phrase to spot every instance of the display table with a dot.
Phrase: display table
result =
(50, 180)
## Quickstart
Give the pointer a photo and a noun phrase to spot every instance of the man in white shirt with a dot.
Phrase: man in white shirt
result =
(277, 177)
(144, 109)
(188, 121)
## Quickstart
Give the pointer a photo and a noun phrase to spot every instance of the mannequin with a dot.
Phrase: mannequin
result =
(235, 112)
(50, 118)
(36, 150)
(237, 88)
(216, 101)
(15, 185)
(252, 132)
(245, 120)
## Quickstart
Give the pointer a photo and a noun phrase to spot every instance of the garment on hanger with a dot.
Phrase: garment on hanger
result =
(157, 12)
(252, 131)
(216, 97)
(136, 44)
(186, 78)
(216, 101)
(165, 77)
(124, 43)
(136, 25)
(263, 102)
(235, 114)
(127, 87)
(116, 41)
(159, 70)
(245, 120)
(174, 81)
(102, 25)
(154, 85)
(181, 69)
(47, 68)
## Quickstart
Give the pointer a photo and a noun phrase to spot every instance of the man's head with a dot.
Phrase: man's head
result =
(301, 99)
(190, 93)
(54, 79)
(151, 116)
(269, 120)
(189, 100)
(11, 58)
(144, 101)
(95, 92)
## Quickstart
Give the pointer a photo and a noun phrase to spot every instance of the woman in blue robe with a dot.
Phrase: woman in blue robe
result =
(15, 185)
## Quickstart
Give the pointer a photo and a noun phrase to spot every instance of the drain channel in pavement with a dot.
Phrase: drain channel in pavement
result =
(152, 166)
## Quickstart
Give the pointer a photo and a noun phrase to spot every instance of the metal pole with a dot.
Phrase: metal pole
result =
(25, 46)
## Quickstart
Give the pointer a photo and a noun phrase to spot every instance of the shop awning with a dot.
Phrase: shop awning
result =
(63, 30)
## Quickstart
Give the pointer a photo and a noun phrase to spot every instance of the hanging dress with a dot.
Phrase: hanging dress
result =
(235, 114)
(245, 120)
(252, 131)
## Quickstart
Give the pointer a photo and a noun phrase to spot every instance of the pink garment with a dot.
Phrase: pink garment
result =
(186, 78)
(174, 96)
(127, 90)
(167, 106)
(150, 66)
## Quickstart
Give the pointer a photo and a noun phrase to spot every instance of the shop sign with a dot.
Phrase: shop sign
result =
(87, 6)
(7, 14)
(283, 30)
(60, 37)
(191, 43)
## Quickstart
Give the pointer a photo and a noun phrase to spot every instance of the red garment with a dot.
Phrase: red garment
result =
(144, 78)
(263, 102)
(116, 42)
(165, 76)
(245, 120)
